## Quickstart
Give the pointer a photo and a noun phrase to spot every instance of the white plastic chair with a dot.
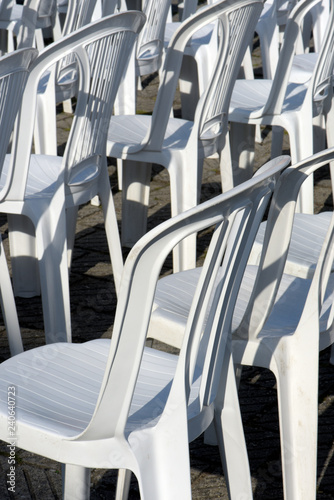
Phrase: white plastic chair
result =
(43, 188)
(280, 323)
(199, 59)
(14, 71)
(180, 145)
(287, 105)
(118, 404)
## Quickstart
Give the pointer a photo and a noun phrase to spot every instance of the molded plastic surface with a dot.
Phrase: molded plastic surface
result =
(116, 404)
(280, 323)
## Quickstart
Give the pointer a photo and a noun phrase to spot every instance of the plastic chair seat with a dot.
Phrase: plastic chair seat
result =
(43, 174)
(175, 293)
(128, 131)
(309, 231)
(250, 96)
(79, 371)
(14, 19)
(302, 67)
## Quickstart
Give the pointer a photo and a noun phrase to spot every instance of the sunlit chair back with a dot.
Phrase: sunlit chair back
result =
(150, 41)
(98, 85)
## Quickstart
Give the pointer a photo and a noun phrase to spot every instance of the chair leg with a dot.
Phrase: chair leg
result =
(242, 142)
(297, 391)
(111, 227)
(164, 467)
(230, 435)
(300, 130)
(52, 257)
(185, 192)
(123, 484)
(189, 87)
(71, 221)
(45, 133)
(135, 199)
(277, 134)
(76, 482)
(8, 307)
(22, 244)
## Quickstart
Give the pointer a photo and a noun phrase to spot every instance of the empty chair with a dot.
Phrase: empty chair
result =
(180, 145)
(58, 84)
(293, 107)
(118, 404)
(280, 323)
(43, 188)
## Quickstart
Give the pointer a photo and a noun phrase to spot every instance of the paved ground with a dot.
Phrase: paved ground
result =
(93, 303)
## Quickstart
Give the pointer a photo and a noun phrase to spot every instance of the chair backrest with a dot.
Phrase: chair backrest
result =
(235, 33)
(236, 21)
(102, 50)
(275, 250)
(293, 29)
(14, 71)
(151, 39)
(79, 13)
(202, 352)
